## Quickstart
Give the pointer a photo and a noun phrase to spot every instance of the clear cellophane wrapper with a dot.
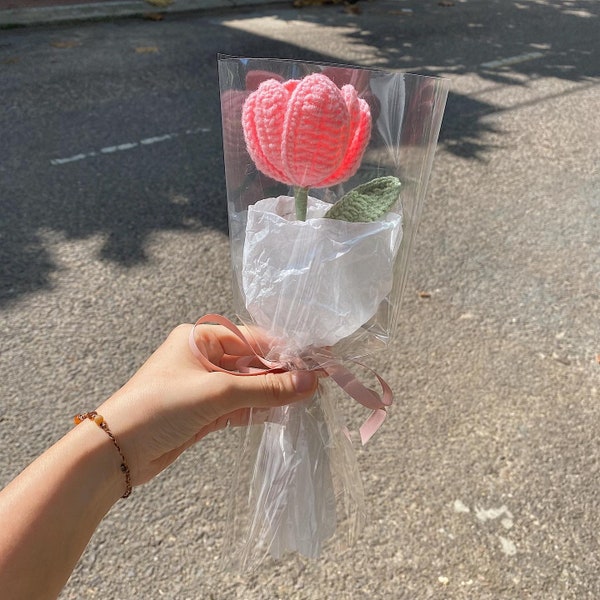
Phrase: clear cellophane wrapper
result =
(304, 286)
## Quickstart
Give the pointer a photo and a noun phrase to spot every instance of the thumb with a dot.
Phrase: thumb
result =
(272, 389)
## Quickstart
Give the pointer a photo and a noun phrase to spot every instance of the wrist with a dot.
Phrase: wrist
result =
(99, 420)
(98, 463)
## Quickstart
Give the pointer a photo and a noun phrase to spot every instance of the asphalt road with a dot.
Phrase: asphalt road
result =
(483, 483)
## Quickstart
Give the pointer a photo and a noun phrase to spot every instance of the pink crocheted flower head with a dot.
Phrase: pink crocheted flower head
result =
(306, 133)
(234, 150)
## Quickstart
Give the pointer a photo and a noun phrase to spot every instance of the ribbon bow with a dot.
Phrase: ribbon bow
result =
(321, 358)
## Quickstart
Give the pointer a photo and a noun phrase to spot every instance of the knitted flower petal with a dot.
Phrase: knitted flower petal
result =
(290, 85)
(316, 131)
(360, 116)
(262, 120)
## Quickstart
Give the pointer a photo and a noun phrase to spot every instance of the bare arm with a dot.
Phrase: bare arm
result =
(50, 511)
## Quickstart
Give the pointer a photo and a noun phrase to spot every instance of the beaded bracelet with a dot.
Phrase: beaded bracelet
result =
(99, 420)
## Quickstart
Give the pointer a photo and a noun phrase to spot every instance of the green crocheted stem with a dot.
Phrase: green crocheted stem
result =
(301, 197)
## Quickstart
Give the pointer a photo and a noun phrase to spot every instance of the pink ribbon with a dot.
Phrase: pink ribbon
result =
(321, 358)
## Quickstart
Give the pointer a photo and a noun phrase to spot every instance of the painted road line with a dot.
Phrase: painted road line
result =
(511, 60)
(157, 139)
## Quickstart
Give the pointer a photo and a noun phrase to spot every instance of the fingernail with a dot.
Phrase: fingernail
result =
(303, 381)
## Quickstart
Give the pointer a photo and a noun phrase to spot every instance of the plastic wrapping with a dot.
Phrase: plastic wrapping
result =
(300, 139)
(314, 282)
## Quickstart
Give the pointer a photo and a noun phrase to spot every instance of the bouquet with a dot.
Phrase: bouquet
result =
(326, 171)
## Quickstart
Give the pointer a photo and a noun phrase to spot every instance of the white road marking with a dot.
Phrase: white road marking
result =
(158, 138)
(127, 146)
(511, 60)
(63, 161)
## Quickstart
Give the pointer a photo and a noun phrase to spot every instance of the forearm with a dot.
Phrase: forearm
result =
(50, 511)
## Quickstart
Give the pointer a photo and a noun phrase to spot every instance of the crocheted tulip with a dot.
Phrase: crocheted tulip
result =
(234, 149)
(360, 79)
(306, 133)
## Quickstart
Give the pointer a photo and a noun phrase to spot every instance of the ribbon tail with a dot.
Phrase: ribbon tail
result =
(364, 395)
(368, 429)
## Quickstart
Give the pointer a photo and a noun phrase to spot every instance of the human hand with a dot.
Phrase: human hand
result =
(173, 401)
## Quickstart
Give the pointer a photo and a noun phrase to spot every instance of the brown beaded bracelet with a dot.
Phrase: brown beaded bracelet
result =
(99, 420)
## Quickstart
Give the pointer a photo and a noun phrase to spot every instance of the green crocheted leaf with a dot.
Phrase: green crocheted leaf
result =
(367, 202)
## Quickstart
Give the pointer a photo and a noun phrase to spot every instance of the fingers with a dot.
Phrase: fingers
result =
(221, 345)
(270, 389)
(217, 343)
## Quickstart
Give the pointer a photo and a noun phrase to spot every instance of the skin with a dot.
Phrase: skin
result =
(49, 512)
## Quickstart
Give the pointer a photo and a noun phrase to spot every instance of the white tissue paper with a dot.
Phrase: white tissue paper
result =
(312, 283)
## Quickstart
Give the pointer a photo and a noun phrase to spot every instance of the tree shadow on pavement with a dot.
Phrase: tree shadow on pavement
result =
(508, 44)
(125, 195)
